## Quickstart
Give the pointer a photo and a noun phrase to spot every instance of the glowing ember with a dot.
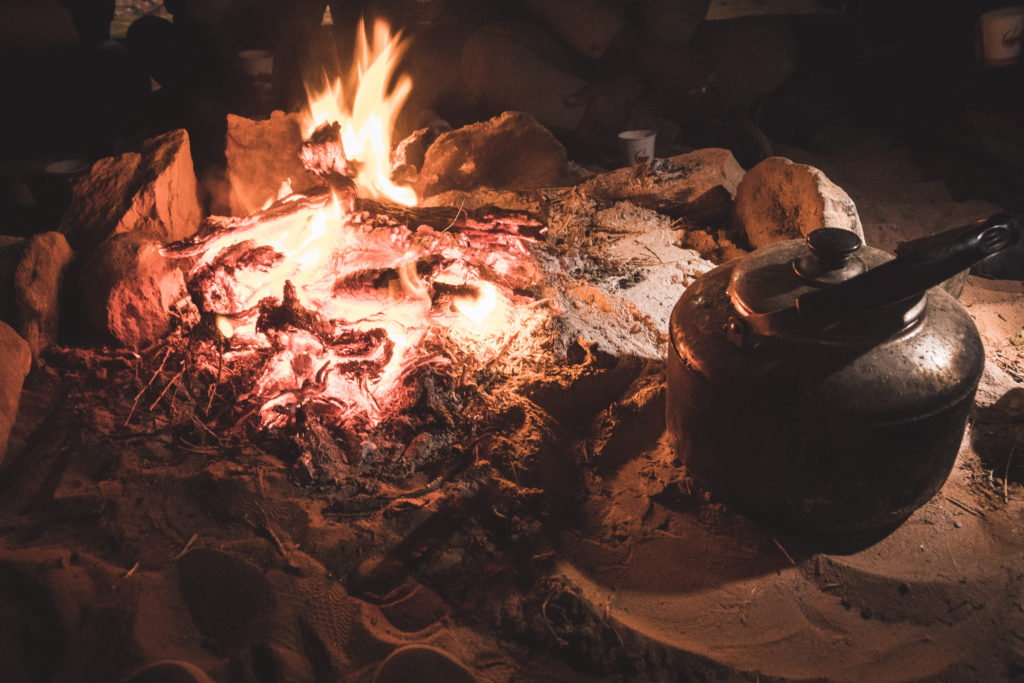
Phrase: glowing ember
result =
(336, 309)
(478, 308)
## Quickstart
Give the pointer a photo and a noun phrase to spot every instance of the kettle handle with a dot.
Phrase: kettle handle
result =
(919, 265)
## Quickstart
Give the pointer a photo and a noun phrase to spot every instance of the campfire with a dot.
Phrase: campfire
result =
(322, 314)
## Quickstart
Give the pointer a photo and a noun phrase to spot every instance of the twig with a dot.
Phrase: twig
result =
(965, 508)
(202, 425)
(270, 532)
(188, 546)
(173, 380)
(216, 385)
(501, 352)
(131, 571)
(456, 218)
(544, 612)
(788, 556)
(653, 253)
(138, 396)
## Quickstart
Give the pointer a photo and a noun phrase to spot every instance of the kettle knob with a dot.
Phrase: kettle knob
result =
(833, 243)
(830, 255)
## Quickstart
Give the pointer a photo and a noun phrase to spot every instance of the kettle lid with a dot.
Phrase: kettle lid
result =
(766, 285)
(832, 286)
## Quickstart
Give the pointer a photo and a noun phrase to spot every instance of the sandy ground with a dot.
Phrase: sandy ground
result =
(569, 545)
(940, 598)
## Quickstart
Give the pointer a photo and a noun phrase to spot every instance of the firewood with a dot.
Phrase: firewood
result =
(454, 218)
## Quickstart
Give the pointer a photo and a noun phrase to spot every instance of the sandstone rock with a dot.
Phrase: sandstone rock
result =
(260, 156)
(412, 150)
(37, 282)
(782, 200)
(995, 384)
(698, 185)
(408, 156)
(510, 152)
(154, 190)
(13, 370)
(131, 288)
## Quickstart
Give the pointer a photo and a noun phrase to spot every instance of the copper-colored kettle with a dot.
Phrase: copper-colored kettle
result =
(823, 386)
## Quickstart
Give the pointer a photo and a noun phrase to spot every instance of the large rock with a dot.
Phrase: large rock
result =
(17, 361)
(509, 152)
(260, 156)
(152, 190)
(782, 200)
(131, 289)
(699, 185)
(37, 282)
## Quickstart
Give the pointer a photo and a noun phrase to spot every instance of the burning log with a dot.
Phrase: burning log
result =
(214, 285)
(275, 315)
(324, 156)
(323, 153)
(425, 269)
(488, 218)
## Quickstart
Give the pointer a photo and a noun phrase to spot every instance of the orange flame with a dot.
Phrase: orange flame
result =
(367, 118)
(478, 308)
(316, 242)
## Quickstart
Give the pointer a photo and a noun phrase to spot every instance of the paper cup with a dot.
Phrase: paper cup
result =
(637, 146)
(1000, 34)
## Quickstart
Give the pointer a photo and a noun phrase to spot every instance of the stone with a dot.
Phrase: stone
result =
(13, 370)
(995, 384)
(781, 200)
(37, 283)
(152, 190)
(698, 185)
(132, 290)
(261, 155)
(412, 150)
(509, 152)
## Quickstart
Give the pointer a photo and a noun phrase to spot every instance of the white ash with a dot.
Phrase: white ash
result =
(625, 217)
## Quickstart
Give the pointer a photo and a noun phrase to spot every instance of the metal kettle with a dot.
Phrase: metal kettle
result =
(823, 386)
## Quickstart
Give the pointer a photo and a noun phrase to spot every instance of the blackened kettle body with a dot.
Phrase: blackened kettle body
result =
(825, 387)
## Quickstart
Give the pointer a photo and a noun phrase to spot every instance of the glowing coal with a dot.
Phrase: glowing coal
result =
(338, 308)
